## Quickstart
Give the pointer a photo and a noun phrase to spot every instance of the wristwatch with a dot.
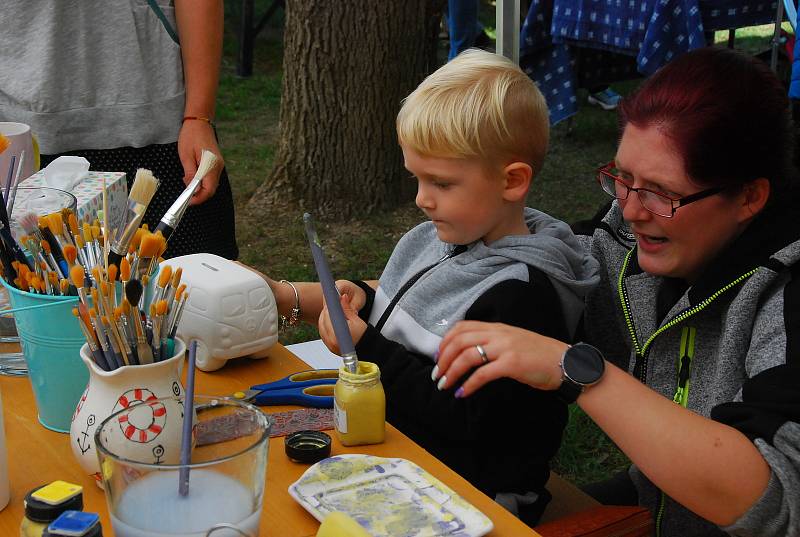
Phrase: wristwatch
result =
(582, 365)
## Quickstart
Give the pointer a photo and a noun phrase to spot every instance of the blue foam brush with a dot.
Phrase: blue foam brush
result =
(340, 328)
(188, 410)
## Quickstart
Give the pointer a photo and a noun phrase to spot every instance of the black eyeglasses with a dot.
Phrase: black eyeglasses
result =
(656, 202)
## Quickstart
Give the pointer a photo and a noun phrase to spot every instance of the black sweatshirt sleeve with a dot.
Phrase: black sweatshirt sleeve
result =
(502, 437)
(364, 312)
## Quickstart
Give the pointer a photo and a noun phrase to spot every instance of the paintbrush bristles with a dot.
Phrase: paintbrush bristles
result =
(56, 223)
(124, 270)
(112, 273)
(77, 275)
(30, 223)
(133, 291)
(70, 254)
(73, 224)
(144, 187)
(164, 276)
(176, 277)
(207, 162)
(149, 246)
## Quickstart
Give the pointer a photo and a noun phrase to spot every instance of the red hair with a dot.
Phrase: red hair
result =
(726, 113)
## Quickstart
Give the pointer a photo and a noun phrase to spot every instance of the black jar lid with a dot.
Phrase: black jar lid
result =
(39, 511)
(308, 446)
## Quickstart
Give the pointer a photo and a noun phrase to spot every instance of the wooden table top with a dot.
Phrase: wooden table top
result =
(37, 456)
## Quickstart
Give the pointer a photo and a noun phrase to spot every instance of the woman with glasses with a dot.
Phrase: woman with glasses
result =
(691, 360)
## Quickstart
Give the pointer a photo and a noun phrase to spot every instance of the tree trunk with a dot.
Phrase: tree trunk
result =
(347, 65)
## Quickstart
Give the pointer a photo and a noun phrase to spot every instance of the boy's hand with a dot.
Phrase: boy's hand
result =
(357, 295)
(354, 323)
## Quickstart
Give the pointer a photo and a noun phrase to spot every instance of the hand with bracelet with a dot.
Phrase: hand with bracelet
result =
(303, 301)
(196, 134)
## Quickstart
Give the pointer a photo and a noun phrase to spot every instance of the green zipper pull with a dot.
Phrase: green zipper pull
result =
(686, 354)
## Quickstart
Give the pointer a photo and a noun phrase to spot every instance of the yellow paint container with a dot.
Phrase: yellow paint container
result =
(360, 406)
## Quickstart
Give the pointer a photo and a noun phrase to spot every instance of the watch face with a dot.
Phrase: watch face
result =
(584, 364)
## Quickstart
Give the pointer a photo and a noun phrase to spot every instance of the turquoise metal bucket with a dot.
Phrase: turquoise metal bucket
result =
(51, 341)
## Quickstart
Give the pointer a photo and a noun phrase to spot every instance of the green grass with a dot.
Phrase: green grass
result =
(272, 240)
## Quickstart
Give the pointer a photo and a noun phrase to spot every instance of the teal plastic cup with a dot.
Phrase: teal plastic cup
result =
(51, 341)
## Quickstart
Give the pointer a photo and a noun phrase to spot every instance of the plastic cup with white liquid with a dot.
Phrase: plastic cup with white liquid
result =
(227, 475)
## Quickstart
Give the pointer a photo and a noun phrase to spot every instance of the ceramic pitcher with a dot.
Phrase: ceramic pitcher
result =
(152, 431)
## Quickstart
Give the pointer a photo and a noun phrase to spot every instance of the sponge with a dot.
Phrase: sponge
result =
(338, 524)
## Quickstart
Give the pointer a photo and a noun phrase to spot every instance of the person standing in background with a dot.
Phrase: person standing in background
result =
(126, 84)
(464, 28)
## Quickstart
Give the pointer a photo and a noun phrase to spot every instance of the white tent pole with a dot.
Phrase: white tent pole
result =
(507, 14)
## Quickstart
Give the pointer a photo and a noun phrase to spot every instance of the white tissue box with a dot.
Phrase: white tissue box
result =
(89, 193)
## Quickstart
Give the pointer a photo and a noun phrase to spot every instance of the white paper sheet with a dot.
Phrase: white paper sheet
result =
(316, 354)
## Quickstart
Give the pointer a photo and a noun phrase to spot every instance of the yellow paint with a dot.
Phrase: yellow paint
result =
(360, 406)
(339, 524)
(57, 492)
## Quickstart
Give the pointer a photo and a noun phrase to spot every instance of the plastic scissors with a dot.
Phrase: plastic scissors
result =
(312, 388)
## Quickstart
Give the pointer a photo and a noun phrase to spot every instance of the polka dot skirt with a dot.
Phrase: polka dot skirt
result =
(209, 227)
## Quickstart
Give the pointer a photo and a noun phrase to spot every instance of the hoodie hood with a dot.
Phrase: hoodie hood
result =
(451, 279)
(551, 247)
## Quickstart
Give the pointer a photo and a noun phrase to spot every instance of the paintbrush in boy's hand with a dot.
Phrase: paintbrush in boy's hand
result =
(331, 294)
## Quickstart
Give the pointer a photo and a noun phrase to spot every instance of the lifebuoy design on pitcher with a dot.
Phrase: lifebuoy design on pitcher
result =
(142, 423)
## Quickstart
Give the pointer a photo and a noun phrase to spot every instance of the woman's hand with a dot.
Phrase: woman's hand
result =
(352, 299)
(194, 136)
(512, 352)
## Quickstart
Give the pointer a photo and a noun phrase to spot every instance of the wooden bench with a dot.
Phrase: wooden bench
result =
(567, 499)
(573, 513)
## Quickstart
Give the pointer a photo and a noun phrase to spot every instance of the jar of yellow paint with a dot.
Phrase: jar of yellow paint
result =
(360, 406)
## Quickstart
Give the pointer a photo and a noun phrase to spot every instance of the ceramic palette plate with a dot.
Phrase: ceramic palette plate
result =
(388, 497)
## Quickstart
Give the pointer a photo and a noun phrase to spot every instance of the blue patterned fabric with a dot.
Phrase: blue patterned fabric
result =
(794, 86)
(652, 31)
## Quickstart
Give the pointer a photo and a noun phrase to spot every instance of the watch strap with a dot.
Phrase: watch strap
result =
(569, 391)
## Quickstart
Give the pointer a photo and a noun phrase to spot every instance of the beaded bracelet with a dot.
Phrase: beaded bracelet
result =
(199, 118)
(294, 314)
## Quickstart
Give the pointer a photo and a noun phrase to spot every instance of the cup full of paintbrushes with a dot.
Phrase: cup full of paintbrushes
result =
(55, 267)
(121, 327)
(40, 201)
(51, 342)
(154, 432)
(26, 201)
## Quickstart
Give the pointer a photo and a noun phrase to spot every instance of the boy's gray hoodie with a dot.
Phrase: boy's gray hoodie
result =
(534, 281)
(444, 293)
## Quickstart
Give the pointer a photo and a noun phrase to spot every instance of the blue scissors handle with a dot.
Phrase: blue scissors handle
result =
(312, 377)
(317, 396)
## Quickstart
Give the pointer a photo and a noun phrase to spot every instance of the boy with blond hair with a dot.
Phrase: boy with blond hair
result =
(474, 133)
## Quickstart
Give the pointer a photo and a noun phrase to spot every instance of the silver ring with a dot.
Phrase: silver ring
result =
(484, 358)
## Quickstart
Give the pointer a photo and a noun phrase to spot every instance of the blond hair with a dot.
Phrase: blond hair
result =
(478, 105)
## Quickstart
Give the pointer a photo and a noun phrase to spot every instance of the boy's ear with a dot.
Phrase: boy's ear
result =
(517, 177)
